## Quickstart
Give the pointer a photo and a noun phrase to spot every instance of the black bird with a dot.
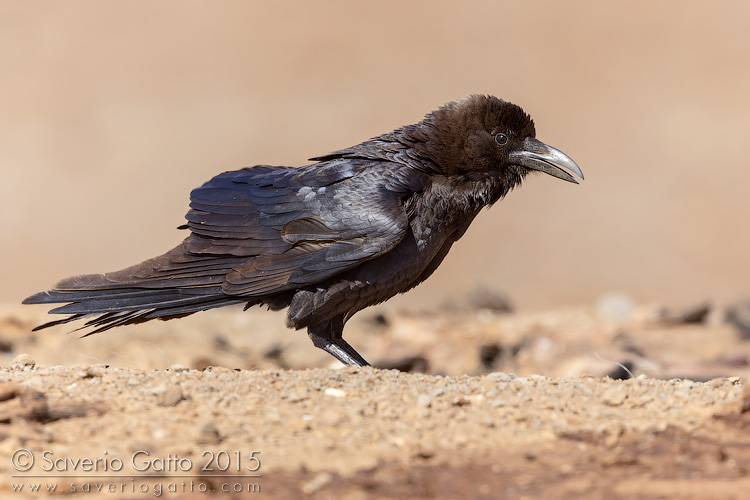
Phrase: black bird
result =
(326, 240)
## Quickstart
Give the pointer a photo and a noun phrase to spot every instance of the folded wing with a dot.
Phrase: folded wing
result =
(296, 226)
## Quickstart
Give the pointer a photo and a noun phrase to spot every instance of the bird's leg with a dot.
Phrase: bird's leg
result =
(328, 337)
(340, 350)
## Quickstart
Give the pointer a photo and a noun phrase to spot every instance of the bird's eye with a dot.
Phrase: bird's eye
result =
(501, 139)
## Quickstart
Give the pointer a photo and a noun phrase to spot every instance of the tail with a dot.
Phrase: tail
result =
(173, 285)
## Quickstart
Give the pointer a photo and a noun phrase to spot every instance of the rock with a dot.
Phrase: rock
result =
(91, 371)
(22, 361)
(202, 363)
(209, 434)
(29, 404)
(317, 483)
(407, 364)
(613, 396)
(333, 392)
(501, 377)
(489, 355)
(623, 371)
(424, 401)
(614, 366)
(24, 403)
(689, 315)
(745, 399)
(616, 306)
(461, 401)
(718, 382)
(491, 300)
(379, 320)
(738, 315)
(424, 451)
(171, 396)
(8, 390)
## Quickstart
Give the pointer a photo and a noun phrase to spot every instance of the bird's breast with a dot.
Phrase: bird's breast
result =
(434, 218)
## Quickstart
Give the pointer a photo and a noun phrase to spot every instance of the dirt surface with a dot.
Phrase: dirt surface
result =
(511, 406)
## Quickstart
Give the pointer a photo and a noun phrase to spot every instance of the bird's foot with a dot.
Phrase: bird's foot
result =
(339, 349)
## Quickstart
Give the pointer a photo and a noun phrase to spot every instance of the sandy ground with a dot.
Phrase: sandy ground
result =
(507, 405)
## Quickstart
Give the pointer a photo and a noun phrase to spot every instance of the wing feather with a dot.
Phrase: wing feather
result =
(298, 226)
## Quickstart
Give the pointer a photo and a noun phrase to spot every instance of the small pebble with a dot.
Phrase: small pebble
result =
(317, 483)
(614, 397)
(501, 377)
(336, 393)
(21, 361)
(616, 306)
(461, 401)
(171, 396)
(717, 382)
(424, 401)
(209, 434)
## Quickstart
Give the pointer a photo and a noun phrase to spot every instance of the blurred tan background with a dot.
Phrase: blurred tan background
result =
(112, 111)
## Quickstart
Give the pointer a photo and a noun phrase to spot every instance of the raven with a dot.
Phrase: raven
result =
(328, 239)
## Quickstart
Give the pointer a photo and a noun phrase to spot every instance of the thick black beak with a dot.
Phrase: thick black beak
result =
(536, 155)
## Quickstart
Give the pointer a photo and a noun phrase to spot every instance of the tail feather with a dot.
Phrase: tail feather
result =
(173, 285)
(111, 321)
(115, 302)
(60, 321)
(110, 308)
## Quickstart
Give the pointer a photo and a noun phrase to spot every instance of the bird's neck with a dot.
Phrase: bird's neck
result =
(448, 205)
(462, 195)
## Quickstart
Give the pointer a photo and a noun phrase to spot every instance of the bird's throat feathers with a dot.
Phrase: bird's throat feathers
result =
(463, 194)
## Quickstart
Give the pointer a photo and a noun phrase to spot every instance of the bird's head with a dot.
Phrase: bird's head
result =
(484, 137)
